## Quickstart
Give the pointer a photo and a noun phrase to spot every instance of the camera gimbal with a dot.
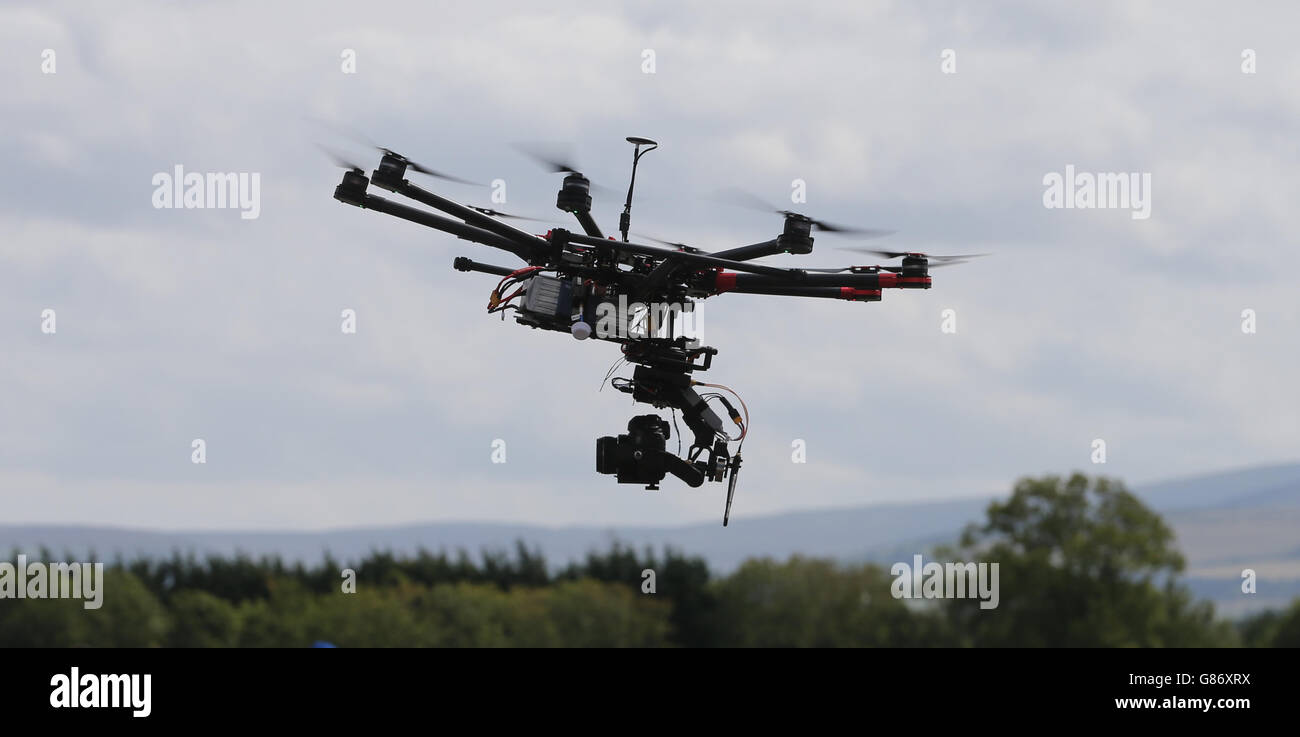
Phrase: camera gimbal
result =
(662, 378)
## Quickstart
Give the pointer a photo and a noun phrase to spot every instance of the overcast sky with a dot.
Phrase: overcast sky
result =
(177, 324)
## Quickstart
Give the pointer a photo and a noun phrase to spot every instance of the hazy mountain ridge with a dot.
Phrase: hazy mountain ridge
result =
(1225, 522)
(832, 533)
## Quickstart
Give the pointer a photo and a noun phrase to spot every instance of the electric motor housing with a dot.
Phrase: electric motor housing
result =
(575, 195)
(915, 266)
(390, 173)
(797, 236)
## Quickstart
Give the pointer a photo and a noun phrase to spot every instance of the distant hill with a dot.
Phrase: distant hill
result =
(841, 533)
(1257, 486)
(1248, 518)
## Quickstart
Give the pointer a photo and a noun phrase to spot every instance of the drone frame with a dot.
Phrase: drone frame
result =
(662, 377)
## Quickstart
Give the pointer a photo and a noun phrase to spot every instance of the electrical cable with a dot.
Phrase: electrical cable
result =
(613, 368)
(495, 300)
(744, 427)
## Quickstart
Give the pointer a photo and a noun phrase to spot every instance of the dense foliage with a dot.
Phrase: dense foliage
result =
(1083, 563)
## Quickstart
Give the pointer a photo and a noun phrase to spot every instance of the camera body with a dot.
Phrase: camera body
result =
(638, 456)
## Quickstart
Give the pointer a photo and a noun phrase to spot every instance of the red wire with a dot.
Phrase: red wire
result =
(517, 272)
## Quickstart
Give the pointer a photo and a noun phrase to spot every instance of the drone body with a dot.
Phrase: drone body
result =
(587, 285)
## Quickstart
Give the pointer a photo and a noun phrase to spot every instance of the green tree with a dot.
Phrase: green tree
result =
(593, 614)
(816, 603)
(128, 616)
(683, 581)
(280, 620)
(465, 615)
(42, 623)
(1083, 563)
(200, 619)
(131, 616)
(375, 617)
(1258, 630)
(1286, 627)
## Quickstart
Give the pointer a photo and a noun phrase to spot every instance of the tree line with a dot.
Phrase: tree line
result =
(1083, 563)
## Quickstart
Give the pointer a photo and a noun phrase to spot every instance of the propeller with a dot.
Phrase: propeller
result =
(339, 160)
(893, 269)
(941, 264)
(498, 214)
(361, 139)
(955, 259)
(558, 158)
(934, 261)
(673, 244)
(555, 158)
(426, 170)
(741, 198)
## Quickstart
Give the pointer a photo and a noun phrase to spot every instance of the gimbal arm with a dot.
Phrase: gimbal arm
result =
(667, 388)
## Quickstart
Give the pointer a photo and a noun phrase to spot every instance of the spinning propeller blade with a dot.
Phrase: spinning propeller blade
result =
(741, 198)
(899, 254)
(674, 244)
(498, 214)
(558, 158)
(360, 138)
(426, 170)
(339, 160)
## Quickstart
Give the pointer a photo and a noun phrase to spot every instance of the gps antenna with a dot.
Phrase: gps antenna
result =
(625, 220)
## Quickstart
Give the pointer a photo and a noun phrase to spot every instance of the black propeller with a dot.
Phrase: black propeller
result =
(426, 170)
(552, 157)
(558, 159)
(741, 198)
(361, 139)
(955, 259)
(498, 214)
(674, 244)
(893, 269)
(934, 261)
(340, 161)
(932, 265)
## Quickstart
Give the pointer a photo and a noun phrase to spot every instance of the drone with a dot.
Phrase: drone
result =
(587, 284)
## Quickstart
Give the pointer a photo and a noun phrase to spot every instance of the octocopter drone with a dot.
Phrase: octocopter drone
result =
(589, 285)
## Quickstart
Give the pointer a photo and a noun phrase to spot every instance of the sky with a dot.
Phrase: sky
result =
(938, 120)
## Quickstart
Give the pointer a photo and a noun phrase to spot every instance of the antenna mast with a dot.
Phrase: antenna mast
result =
(625, 220)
